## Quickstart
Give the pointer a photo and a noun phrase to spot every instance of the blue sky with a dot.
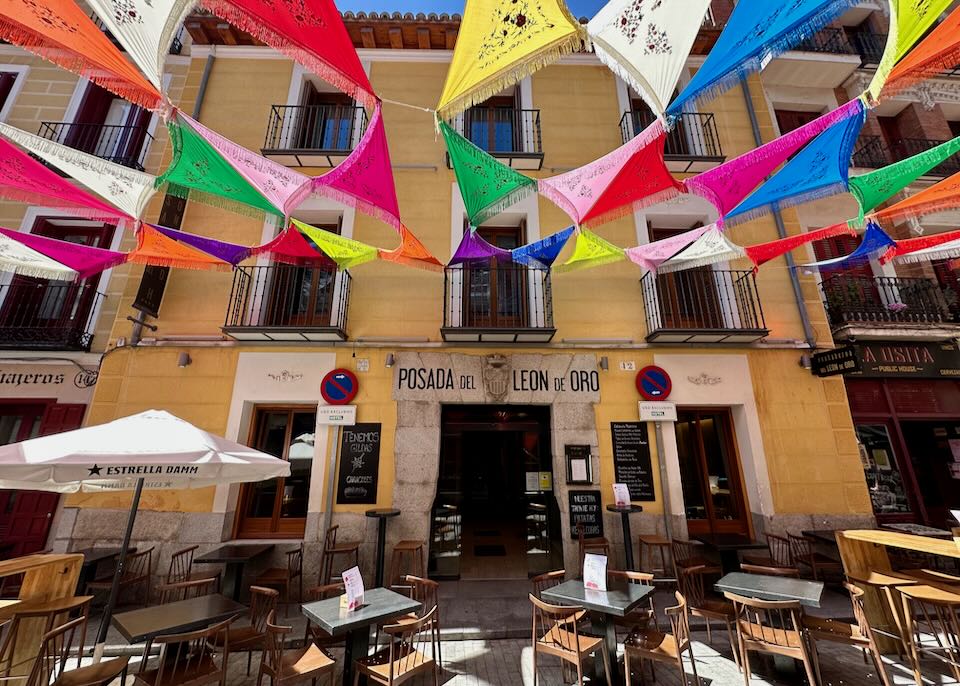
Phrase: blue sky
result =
(579, 8)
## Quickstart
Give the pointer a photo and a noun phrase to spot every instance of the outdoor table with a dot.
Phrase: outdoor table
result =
(618, 600)
(379, 604)
(235, 556)
(727, 546)
(381, 515)
(765, 587)
(92, 557)
(625, 512)
(827, 536)
(918, 530)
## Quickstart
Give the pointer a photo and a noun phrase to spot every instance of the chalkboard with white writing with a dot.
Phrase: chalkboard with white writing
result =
(359, 464)
(631, 459)
(586, 508)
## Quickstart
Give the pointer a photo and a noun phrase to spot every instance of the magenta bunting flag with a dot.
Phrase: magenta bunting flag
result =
(283, 187)
(290, 247)
(652, 255)
(365, 179)
(228, 252)
(83, 259)
(727, 185)
(310, 32)
(473, 248)
(23, 179)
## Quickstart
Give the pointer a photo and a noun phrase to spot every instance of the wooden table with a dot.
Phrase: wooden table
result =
(766, 587)
(728, 547)
(618, 600)
(379, 604)
(865, 551)
(175, 618)
(234, 556)
(918, 530)
(92, 557)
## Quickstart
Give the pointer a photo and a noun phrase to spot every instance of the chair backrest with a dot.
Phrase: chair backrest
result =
(548, 580)
(800, 548)
(327, 591)
(185, 590)
(408, 647)
(768, 622)
(690, 582)
(789, 572)
(555, 626)
(263, 601)
(53, 614)
(859, 615)
(183, 654)
(779, 548)
(683, 551)
(642, 578)
(425, 591)
(273, 646)
(56, 647)
(679, 622)
(138, 566)
(330, 538)
(295, 562)
(181, 564)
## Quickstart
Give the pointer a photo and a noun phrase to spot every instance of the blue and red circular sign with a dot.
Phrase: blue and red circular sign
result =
(654, 383)
(339, 387)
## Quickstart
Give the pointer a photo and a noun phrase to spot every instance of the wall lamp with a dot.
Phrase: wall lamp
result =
(183, 360)
(390, 361)
(605, 363)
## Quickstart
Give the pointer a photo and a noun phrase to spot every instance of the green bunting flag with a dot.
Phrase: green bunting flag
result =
(591, 251)
(346, 252)
(487, 186)
(877, 186)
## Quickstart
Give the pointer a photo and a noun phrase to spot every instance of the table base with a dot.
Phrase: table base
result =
(356, 646)
(604, 626)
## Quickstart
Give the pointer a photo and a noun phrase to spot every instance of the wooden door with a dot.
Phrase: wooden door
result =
(789, 120)
(326, 121)
(493, 126)
(496, 293)
(303, 296)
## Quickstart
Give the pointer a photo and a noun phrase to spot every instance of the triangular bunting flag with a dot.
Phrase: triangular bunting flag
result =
(85, 260)
(309, 32)
(937, 198)
(473, 248)
(155, 249)
(17, 258)
(543, 253)
(61, 32)
(875, 242)
(232, 253)
(126, 189)
(365, 179)
(412, 253)
(947, 251)
(651, 255)
(764, 252)
(938, 52)
(502, 41)
(916, 249)
(346, 252)
(290, 247)
(819, 170)
(487, 186)
(591, 251)
(710, 248)
(646, 43)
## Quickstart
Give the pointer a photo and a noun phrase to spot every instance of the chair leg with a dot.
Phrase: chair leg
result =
(815, 657)
(808, 667)
(356, 677)
(249, 660)
(579, 673)
(878, 663)
(693, 665)
(683, 672)
(626, 667)
(709, 634)
(606, 663)
(733, 644)
(745, 656)
(535, 663)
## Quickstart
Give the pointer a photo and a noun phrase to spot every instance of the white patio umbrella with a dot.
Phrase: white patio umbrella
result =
(152, 449)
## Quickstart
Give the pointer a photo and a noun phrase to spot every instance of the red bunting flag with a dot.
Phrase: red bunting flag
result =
(290, 247)
(912, 245)
(764, 252)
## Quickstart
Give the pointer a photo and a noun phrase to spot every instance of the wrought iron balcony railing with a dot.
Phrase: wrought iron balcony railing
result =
(908, 147)
(313, 135)
(869, 46)
(126, 145)
(37, 314)
(506, 133)
(703, 306)
(827, 40)
(283, 302)
(870, 153)
(694, 138)
(852, 299)
(497, 302)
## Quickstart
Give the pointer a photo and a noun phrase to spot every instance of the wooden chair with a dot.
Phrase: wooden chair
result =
(331, 549)
(181, 568)
(427, 593)
(651, 546)
(411, 553)
(49, 614)
(57, 650)
(555, 632)
(194, 658)
(710, 608)
(597, 546)
(185, 590)
(406, 656)
(779, 555)
(313, 633)
(137, 573)
(932, 615)
(640, 617)
(859, 634)
(651, 644)
(288, 667)
(282, 578)
(774, 627)
(252, 637)
(805, 556)
(688, 554)
(547, 580)
(787, 572)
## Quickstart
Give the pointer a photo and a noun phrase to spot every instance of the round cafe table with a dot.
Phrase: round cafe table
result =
(381, 515)
(625, 512)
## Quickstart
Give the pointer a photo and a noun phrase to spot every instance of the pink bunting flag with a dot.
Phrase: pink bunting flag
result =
(283, 187)
(365, 179)
(84, 259)
(24, 179)
(652, 255)
(727, 185)
(290, 247)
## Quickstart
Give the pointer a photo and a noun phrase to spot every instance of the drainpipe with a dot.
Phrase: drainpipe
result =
(782, 230)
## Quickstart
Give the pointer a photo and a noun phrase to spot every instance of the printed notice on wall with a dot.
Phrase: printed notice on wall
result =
(359, 464)
(631, 459)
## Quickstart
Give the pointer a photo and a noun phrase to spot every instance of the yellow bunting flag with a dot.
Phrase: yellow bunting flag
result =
(502, 41)
(591, 251)
(346, 252)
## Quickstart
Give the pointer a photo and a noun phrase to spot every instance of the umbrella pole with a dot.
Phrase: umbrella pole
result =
(121, 563)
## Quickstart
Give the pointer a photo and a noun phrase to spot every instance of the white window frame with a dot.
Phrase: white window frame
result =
(21, 71)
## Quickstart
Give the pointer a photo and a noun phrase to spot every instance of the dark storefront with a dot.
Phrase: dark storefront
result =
(906, 408)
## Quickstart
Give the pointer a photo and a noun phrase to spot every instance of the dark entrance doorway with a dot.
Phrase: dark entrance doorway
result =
(495, 516)
(935, 457)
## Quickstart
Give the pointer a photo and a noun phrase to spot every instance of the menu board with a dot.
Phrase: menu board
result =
(359, 464)
(631, 459)
(586, 508)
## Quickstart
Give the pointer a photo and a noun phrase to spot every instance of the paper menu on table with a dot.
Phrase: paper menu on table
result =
(956, 515)
(595, 572)
(353, 583)
(621, 495)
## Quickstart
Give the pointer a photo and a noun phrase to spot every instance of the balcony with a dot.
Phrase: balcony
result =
(703, 306)
(126, 145)
(692, 146)
(829, 40)
(503, 303)
(286, 303)
(869, 46)
(313, 135)
(823, 60)
(856, 304)
(37, 314)
(870, 153)
(510, 135)
(908, 147)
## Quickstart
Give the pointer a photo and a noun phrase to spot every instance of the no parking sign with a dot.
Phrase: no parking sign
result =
(339, 387)
(653, 383)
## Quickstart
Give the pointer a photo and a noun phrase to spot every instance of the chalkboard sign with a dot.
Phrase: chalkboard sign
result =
(631, 459)
(586, 508)
(359, 465)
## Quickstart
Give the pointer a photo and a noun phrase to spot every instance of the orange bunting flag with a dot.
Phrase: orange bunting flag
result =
(59, 31)
(411, 253)
(155, 249)
(939, 51)
(937, 198)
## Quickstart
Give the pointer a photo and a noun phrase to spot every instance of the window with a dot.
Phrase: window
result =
(788, 120)
(303, 296)
(105, 125)
(11, 80)
(495, 292)
(688, 299)
(326, 120)
(278, 508)
(494, 125)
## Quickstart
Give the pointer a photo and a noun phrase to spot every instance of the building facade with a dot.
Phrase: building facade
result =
(497, 405)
